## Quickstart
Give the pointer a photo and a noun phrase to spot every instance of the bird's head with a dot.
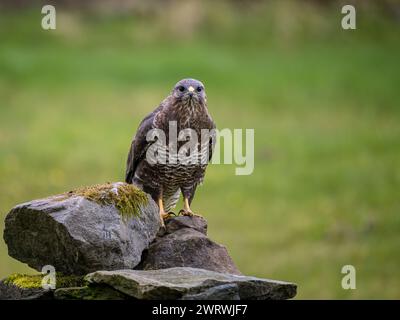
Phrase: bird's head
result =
(190, 92)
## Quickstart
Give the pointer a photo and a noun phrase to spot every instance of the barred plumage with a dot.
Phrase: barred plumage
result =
(186, 106)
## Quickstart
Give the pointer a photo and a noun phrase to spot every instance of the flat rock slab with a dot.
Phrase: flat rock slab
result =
(191, 283)
(78, 236)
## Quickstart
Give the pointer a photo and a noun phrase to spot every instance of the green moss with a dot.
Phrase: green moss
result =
(69, 281)
(127, 198)
(25, 281)
(35, 281)
(97, 292)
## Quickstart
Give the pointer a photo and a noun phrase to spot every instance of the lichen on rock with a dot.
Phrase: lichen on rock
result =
(127, 198)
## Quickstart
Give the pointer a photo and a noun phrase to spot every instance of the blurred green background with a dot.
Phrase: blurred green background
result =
(324, 103)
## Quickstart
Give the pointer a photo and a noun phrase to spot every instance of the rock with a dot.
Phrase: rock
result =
(90, 293)
(13, 292)
(191, 283)
(29, 287)
(174, 283)
(176, 223)
(222, 292)
(104, 227)
(184, 243)
(115, 228)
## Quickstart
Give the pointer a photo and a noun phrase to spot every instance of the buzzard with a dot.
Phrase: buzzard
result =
(186, 110)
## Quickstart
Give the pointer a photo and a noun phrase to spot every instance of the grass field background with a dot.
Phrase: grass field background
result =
(324, 104)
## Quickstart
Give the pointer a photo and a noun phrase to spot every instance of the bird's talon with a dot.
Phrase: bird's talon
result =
(183, 213)
(168, 215)
(188, 213)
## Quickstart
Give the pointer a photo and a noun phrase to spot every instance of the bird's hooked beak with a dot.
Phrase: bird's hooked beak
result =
(190, 97)
(191, 93)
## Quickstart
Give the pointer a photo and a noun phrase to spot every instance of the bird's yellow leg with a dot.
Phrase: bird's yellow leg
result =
(163, 215)
(186, 211)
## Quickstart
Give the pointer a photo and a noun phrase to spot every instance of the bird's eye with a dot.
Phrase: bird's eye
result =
(181, 88)
(199, 89)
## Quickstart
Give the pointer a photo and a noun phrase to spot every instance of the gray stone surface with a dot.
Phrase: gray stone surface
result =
(181, 222)
(78, 236)
(184, 243)
(228, 291)
(12, 292)
(191, 283)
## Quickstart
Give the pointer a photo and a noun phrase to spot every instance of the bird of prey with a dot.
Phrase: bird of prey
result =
(186, 108)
